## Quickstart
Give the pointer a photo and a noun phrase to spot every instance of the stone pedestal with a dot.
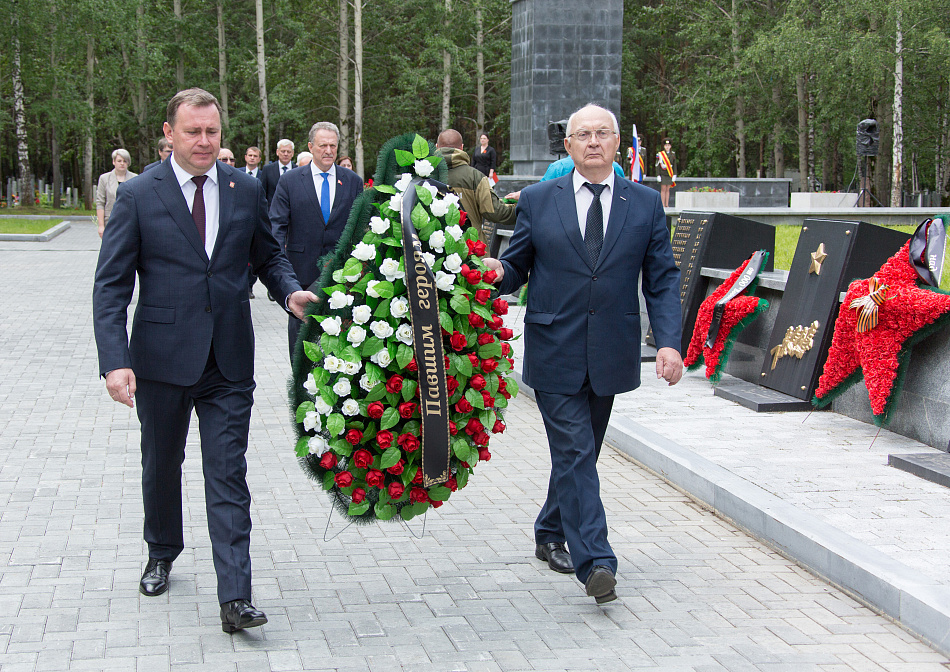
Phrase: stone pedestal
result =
(564, 54)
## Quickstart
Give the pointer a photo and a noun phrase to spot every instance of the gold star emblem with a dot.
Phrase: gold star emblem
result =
(817, 257)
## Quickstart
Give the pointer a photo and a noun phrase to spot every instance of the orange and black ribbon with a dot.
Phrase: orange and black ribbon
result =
(867, 305)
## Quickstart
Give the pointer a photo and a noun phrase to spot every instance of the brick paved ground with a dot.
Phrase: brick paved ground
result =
(696, 594)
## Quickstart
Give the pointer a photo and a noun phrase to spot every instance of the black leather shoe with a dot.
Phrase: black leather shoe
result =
(556, 556)
(600, 584)
(155, 578)
(240, 614)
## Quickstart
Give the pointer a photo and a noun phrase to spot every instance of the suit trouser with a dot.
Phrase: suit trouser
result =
(224, 412)
(573, 512)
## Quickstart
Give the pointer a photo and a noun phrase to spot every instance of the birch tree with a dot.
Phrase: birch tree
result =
(262, 75)
(897, 144)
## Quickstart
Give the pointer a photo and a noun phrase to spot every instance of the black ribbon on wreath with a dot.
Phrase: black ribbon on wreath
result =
(427, 344)
(748, 275)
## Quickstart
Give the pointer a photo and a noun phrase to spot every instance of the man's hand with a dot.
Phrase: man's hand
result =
(495, 265)
(297, 302)
(514, 196)
(669, 365)
(121, 386)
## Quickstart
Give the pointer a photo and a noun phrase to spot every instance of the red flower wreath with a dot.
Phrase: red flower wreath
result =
(738, 314)
(908, 314)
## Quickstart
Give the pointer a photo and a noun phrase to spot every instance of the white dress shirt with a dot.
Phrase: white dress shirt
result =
(252, 173)
(210, 191)
(280, 168)
(583, 197)
(318, 181)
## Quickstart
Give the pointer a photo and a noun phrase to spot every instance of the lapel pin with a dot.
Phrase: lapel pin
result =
(340, 182)
(622, 198)
(232, 185)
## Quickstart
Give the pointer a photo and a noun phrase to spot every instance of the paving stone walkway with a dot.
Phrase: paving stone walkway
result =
(465, 593)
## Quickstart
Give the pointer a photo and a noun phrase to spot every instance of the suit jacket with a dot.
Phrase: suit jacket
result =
(582, 320)
(298, 221)
(243, 169)
(270, 175)
(153, 164)
(187, 302)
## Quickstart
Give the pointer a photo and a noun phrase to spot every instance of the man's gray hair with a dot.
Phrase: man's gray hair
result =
(285, 142)
(193, 98)
(123, 153)
(613, 118)
(163, 143)
(323, 126)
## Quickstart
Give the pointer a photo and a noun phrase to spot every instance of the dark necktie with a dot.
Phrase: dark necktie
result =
(325, 197)
(283, 169)
(594, 231)
(198, 207)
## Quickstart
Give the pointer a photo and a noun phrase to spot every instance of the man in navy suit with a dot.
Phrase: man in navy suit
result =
(585, 238)
(271, 173)
(189, 228)
(310, 209)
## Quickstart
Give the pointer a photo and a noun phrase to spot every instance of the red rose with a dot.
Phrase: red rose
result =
(506, 349)
(328, 461)
(489, 365)
(473, 358)
(343, 480)
(409, 443)
(477, 382)
(485, 339)
(502, 384)
(446, 357)
(499, 307)
(394, 384)
(406, 409)
(452, 484)
(453, 430)
(464, 269)
(362, 458)
(476, 247)
(498, 427)
(412, 366)
(475, 320)
(375, 478)
(505, 334)
(489, 277)
(497, 321)
(463, 217)
(482, 296)
(483, 455)
(481, 438)
(458, 340)
(375, 410)
(384, 438)
(474, 276)
(505, 394)
(474, 425)
(417, 479)
(359, 495)
(396, 490)
(463, 406)
(436, 504)
(451, 384)
(397, 468)
(418, 495)
(487, 399)
(354, 436)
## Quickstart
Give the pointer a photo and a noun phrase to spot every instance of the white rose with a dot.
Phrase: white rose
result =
(431, 188)
(451, 199)
(429, 258)
(371, 289)
(342, 387)
(332, 325)
(453, 263)
(381, 358)
(364, 251)
(365, 384)
(312, 421)
(437, 241)
(317, 445)
(381, 329)
(362, 314)
(423, 168)
(311, 385)
(323, 408)
(353, 278)
(455, 231)
(333, 364)
(399, 307)
(379, 225)
(356, 334)
(340, 300)
(444, 281)
(404, 333)
(395, 202)
(350, 407)
(351, 368)
(390, 268)
(439, 208)
(403, 182)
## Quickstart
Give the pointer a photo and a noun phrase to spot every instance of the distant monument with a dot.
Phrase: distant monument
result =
(564, 54)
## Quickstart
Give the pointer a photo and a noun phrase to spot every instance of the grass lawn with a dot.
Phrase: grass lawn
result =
(66, 213)
(27, 225)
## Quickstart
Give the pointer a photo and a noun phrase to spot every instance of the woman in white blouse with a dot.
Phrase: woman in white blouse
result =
(108, 183)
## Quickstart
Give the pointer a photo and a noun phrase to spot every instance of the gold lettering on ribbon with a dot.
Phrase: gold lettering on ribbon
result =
(796, 342)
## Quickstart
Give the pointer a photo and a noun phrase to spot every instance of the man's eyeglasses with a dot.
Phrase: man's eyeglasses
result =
(584, 135)
(229, 159)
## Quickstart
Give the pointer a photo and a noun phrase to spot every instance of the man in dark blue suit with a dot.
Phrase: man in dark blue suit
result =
(189, 229)
(271, 173)
(310, 209)
(585, 238)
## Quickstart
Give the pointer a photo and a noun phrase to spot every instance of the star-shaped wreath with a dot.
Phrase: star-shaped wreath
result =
(880, 320)
(713, 339)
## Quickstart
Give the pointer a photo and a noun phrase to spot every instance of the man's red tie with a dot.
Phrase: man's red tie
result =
(198, 207)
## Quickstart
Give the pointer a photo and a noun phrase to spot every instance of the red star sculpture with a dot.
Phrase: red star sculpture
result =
(906, 313)
(738, 313)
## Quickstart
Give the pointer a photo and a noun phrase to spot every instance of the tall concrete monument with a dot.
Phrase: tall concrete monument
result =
(564, 54)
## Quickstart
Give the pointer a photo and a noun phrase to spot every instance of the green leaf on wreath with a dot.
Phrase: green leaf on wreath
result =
(512, 386)
(392, 242)
(487, 418)
(452, 218)
(445, 320)
(409, 389)
(464, 365)
(424, 195)
(482, 311)
(419, 216)
(336, 424)
(503, 365)
(374, 374)
(303, 409)
(330, 344)
(460, 304)
(382, 310)
(501, 402)
(462, 478)
(377, 393)
(390, 457)
(384, 511)
(328, 481)
(360, 287)
(313, 352)
(404, 158)
(352, 266)
(337, 275)
(420, 148)
(407, 475)
(302, 447)
(412, 427)
(358, 509)
(384, 289)
(453, 246)
(335, 288)
(320, 375)
(390, 418)
(475, 399)
(403, 355)
(385, 189)
(439, 493)
(384, 497)
(341, 446)
(463, 450)
(492, 379)
(370, 432)
(371, 346)
(489, 350)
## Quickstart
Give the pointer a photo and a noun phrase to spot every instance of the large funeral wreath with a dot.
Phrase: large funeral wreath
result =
(355, 386)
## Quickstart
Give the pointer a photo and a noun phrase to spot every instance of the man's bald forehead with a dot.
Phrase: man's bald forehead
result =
(450, 138)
